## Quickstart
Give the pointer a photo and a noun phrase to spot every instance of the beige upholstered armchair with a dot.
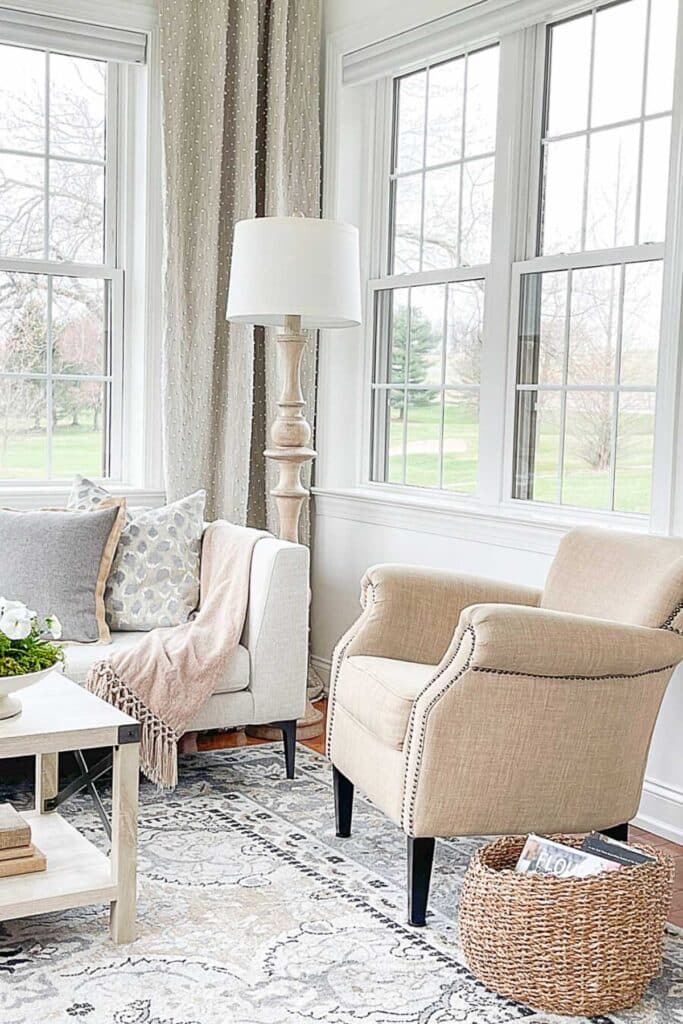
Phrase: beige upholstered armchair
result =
(464, 706)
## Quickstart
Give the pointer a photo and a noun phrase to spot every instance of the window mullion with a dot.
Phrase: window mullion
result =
(510, 209)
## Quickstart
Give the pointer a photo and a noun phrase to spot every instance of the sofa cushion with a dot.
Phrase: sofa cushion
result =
(379, 693)
(79, 659)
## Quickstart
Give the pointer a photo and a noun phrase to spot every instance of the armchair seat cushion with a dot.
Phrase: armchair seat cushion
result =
(78, 660)
(380, 692)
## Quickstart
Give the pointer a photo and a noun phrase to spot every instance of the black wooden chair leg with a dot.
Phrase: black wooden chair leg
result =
(420, 858)
(343, 803)
(619, 832)
(289, 738)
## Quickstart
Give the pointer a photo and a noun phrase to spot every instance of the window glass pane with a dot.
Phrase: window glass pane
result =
(618, 62)
(78, 428)
(641, 323)
(426, 334)
(465, 329)
(570, 47)
(79, 326)
(22, 206)
(586, 479)
(653, 196)
(442, 198)
(395, 415)
(23, 429)
(450, 224)
(481, 102)
(543, 320)
(635, 445)
(423, 431)
(593, 326)
(445, 111)
(22, 99)
(662, 55)
(612, 188)
(407, 215)
(477, 212)
(76, 212)
(23, 323)
(77, 106)
(562, 212)
(461, 441)
(537, 445)
(398, 335)
(410, 121)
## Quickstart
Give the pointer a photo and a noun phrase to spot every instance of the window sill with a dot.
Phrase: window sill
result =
(510, 525)
(45, 495)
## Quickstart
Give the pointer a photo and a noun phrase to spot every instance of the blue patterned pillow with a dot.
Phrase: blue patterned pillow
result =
(154, 579)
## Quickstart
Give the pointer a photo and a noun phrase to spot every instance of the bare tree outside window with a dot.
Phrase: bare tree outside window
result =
(429, 335)
(55, 358)
(589, 334)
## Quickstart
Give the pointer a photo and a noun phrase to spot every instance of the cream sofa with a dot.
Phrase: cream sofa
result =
(464, 706)
(265, 680)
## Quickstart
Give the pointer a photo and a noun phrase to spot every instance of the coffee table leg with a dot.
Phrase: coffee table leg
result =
(124, 840)
(47, 779)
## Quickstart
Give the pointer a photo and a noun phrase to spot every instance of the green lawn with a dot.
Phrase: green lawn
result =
(582, 485)
(23, 455)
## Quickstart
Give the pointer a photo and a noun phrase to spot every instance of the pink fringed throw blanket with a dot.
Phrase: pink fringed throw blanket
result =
(171, 673)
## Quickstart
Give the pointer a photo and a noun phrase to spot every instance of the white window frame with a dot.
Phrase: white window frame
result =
(520, 27)
(133, 243)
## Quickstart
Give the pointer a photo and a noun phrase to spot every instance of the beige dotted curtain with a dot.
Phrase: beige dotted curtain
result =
(241, 84)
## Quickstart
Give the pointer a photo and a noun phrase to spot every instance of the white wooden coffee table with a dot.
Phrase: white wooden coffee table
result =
(59, 715)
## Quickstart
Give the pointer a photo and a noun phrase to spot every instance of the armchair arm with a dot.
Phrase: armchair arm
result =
(539, 642)
(276, 629)
(410, 613)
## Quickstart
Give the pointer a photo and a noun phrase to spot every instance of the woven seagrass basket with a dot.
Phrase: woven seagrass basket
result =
(583, 946)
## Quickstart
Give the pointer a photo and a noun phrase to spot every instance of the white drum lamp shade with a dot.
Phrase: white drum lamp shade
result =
(295, 266)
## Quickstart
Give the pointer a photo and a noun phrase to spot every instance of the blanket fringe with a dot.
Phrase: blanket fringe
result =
(158, 743)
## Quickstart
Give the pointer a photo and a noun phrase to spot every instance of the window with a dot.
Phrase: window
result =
(429, 332)
(61, 280)
(564, 282)
(589, 330)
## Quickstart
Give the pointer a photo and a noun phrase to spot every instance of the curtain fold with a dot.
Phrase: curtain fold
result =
(240, 89)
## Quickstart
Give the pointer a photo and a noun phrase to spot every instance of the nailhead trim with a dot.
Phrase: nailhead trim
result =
(544, 675)
(408, 809)
(333, 690)
(669, 622)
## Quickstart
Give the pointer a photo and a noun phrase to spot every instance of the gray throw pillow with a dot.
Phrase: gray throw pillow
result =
(57, 563)
(154, 580)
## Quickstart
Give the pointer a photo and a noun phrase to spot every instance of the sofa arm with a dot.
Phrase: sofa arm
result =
(539, 642)
(276, 630)
(410, 613)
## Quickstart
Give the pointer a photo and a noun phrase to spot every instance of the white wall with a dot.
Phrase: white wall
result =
(355, 528)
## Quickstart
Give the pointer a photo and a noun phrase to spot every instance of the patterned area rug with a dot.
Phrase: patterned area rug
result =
(251, 910)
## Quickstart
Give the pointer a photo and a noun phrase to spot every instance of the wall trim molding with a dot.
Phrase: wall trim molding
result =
(27, 498)
(379, 509)
(661, 810)
(323, 667)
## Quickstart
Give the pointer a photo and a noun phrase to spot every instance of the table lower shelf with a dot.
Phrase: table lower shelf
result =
(77, 872)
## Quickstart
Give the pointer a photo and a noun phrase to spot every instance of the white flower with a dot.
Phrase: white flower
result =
(16, 620)
(54, 626)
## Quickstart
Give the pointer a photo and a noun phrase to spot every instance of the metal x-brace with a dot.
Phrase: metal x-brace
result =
(89, 776)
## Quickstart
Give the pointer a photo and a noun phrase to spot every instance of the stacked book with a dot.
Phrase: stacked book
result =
(18, 855)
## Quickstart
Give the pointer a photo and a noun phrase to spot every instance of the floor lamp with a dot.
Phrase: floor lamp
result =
(295, 273)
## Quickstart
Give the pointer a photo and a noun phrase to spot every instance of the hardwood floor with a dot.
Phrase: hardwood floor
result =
(223, 740)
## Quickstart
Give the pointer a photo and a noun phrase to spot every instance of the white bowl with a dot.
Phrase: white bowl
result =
(11, 706)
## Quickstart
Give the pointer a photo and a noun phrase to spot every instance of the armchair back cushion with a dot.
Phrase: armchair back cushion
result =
(623, 577)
